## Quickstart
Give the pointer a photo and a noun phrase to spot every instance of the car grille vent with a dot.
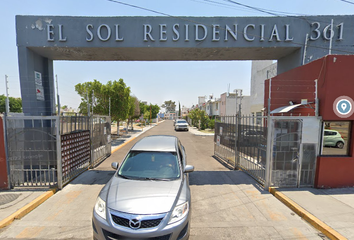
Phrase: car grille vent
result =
(113, 236)
(144, 223)
(120, 221)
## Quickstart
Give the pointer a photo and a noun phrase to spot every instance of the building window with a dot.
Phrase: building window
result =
(217, 106)
(336, 138)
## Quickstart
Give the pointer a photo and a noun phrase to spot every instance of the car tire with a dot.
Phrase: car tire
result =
(340, 145)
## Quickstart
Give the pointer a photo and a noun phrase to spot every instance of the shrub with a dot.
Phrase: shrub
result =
(211, 123)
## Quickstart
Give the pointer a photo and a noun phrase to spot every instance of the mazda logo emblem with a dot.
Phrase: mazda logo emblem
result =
(134, 223)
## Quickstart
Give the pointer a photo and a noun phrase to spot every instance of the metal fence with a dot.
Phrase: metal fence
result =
(100, 139)
(278, 151)
(32, 144)
(69, 124)
(294, 148)
(247, 137)
(51, 150)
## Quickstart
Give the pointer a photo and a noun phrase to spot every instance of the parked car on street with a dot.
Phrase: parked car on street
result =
(148, 197)
(332, 138)
(181, 124)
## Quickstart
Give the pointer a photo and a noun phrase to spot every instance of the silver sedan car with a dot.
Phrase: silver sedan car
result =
(148, 197)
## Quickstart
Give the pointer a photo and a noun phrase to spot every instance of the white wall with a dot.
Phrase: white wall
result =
(260, 71)
(231, 105)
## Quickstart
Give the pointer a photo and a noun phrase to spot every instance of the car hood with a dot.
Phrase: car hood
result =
(142, 197)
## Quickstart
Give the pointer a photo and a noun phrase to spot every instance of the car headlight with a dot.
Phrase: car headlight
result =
(100, 207)
(179, 212)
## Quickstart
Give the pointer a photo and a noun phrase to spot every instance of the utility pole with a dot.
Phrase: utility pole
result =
(88, 104)
(150, 112)
(236, 133)
(56, 79)
(93, 98)
(7, 107)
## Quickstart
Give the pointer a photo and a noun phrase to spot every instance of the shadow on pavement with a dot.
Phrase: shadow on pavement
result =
(224, 178)
(224, 163)
(92, 177)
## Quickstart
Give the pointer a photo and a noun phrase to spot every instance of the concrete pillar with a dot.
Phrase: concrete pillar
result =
(38, 94)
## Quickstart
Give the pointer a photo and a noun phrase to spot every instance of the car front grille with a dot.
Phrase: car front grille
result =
(113, 236)
(149, 223)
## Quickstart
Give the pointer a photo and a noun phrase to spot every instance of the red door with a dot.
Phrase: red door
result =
(4, 183)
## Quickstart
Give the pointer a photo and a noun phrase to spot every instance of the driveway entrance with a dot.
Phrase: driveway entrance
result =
(226, 204)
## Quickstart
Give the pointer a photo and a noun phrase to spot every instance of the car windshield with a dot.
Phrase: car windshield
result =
(181, 121)
(143, 165)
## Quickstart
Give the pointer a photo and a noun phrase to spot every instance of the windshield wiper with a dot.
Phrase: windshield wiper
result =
(125, 177)
(156, 179)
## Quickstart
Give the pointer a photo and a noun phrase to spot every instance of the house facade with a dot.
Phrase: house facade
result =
(228, 103)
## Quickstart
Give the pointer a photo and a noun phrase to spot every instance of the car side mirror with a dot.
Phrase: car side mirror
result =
(115, 165)
(188, 169)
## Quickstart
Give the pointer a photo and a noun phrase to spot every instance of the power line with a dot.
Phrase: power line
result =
(220, 4)
(244, 5)
(346, 1)
(141, 8)
(253, 8)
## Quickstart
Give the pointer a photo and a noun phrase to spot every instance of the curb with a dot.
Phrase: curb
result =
(122, 145)
(311, 219)
(28, 208)
(132, 138)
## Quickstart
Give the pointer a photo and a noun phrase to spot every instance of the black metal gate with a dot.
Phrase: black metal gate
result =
(46, 151)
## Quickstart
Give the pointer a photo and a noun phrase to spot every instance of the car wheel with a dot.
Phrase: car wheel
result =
(340, 145)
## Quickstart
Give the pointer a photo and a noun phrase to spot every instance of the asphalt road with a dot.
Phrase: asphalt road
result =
(226, 204)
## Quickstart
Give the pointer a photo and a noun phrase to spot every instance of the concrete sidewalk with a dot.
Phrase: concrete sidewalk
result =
(329, 210)
(195, 131)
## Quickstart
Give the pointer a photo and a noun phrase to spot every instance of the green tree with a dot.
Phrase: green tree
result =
(149, 110)
(155, 109)
(199, 118)
(15, 104)
(134, 109)
(147, 115)
(142, 107)
(116, 92)
(169, 106)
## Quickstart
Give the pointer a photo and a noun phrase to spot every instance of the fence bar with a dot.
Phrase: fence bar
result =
(59, 160)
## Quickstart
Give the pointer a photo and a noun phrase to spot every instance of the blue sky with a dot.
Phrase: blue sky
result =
(154, 82)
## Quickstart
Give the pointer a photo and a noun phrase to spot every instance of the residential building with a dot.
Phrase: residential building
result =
(212, 107)
(184, 111)
(228, 104)
(170, 115)
(261, 70)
